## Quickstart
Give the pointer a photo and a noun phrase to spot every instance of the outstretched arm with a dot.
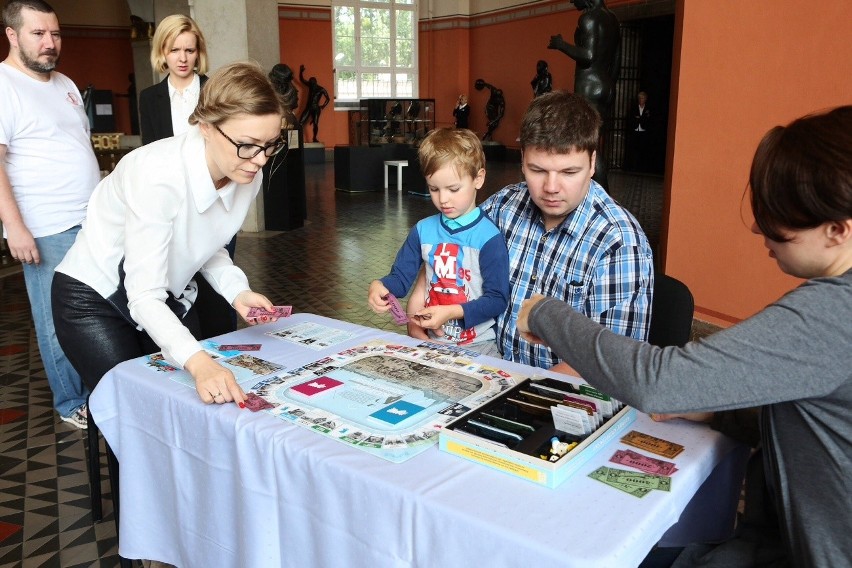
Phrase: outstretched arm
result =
(302, 75)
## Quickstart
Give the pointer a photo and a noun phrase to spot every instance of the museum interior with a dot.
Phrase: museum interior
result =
(333, 212)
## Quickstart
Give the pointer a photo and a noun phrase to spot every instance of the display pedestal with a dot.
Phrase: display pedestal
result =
(361, 168)
(284, 202)
(494, 151)
(314, 152)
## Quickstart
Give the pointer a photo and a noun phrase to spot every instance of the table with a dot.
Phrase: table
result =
(210, 485)
(399, 165)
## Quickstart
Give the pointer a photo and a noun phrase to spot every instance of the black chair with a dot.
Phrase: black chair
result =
(671, 312)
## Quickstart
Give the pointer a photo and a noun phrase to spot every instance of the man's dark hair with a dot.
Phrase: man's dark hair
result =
(12, 11)
(560, 122)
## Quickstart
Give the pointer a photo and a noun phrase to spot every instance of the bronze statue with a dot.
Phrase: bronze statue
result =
(542, 82)
(281, 78)
(318, 99)
(596, 53)
(494, 108)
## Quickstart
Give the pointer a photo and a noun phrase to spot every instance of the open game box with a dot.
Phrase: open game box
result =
(542, 429)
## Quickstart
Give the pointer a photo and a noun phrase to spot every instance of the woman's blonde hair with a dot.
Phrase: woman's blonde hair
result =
(237, 88)
(164, 38)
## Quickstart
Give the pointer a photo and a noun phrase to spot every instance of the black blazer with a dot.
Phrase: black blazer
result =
(155, 111)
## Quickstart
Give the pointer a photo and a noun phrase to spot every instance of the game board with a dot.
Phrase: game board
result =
(386, 399)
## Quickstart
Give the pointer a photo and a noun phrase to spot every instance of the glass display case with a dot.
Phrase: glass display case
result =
(402, 121)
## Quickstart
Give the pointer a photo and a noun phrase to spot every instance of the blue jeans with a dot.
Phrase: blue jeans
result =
(68, 389)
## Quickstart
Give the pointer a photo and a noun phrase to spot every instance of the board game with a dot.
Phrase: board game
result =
(541, 430)
(388, 400)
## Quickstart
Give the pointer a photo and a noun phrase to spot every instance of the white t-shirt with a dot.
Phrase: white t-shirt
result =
(159, 212)
(49, 158)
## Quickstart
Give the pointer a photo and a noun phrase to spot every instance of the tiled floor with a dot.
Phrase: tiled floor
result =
(323, 268)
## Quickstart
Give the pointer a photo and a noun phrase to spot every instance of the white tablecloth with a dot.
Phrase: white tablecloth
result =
(215, 486)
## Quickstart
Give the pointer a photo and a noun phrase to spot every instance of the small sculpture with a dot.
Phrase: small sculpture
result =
(412, 113)
(318, 99)
(542, 82)
(494, 108)
(281, 77)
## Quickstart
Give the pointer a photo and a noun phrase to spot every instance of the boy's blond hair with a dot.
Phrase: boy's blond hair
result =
(457, 146)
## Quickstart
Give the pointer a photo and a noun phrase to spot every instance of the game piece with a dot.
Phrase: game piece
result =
(256, 403)
(398, 313)
(651, 444)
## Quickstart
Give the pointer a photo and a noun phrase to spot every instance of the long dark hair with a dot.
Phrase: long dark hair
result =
(801, 175)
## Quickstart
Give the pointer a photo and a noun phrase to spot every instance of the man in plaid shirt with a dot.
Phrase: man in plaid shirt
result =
(567, 238)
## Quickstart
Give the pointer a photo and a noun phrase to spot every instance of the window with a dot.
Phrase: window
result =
(375, 49)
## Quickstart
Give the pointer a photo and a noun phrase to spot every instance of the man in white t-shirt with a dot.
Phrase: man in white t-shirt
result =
(48, 171)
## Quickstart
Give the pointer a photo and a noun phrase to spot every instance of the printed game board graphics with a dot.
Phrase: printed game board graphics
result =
(386, 399)
(384, 391)
(312, 335)
(246, 368)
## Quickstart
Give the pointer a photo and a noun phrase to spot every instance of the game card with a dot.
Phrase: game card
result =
(240, 347)
(256, 403)
(318, 386)
(396, 309)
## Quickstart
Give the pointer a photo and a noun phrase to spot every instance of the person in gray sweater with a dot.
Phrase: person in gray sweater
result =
(793, 358)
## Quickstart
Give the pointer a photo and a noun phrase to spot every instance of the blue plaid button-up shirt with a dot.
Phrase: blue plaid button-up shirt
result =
(598, 260)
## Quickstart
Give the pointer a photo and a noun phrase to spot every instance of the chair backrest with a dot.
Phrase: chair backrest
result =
(671, 312)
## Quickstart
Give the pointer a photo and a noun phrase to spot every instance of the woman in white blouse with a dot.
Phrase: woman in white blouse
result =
(125, 288)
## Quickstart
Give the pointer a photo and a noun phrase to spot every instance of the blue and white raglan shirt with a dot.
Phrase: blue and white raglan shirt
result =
(466, 263)
(597, 260)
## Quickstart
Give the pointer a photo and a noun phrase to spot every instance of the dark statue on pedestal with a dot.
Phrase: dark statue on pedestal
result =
(494, 108)
(542, 82)
(281, 78)
(318, 99)
(596, 53)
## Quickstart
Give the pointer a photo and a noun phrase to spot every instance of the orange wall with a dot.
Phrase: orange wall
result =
(445, 70)
(740, 72)
(305, 39)
(505, 55)
(102, 57)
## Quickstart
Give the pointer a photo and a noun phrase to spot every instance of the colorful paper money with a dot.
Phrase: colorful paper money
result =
(643, 463)
(651, 444)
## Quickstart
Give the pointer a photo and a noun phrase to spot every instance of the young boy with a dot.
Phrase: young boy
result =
(467, 266)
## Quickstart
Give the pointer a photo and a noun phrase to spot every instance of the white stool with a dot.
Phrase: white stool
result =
(399, 165)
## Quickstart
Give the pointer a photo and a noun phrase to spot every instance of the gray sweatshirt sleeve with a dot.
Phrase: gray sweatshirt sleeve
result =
(799, 347)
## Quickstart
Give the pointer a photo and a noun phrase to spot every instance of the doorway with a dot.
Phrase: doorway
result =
(646, 66)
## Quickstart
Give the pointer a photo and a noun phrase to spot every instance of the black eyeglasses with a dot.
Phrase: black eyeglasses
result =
(249, 151)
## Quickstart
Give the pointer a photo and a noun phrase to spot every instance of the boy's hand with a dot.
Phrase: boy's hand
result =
(376, 297)
(434, 317)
